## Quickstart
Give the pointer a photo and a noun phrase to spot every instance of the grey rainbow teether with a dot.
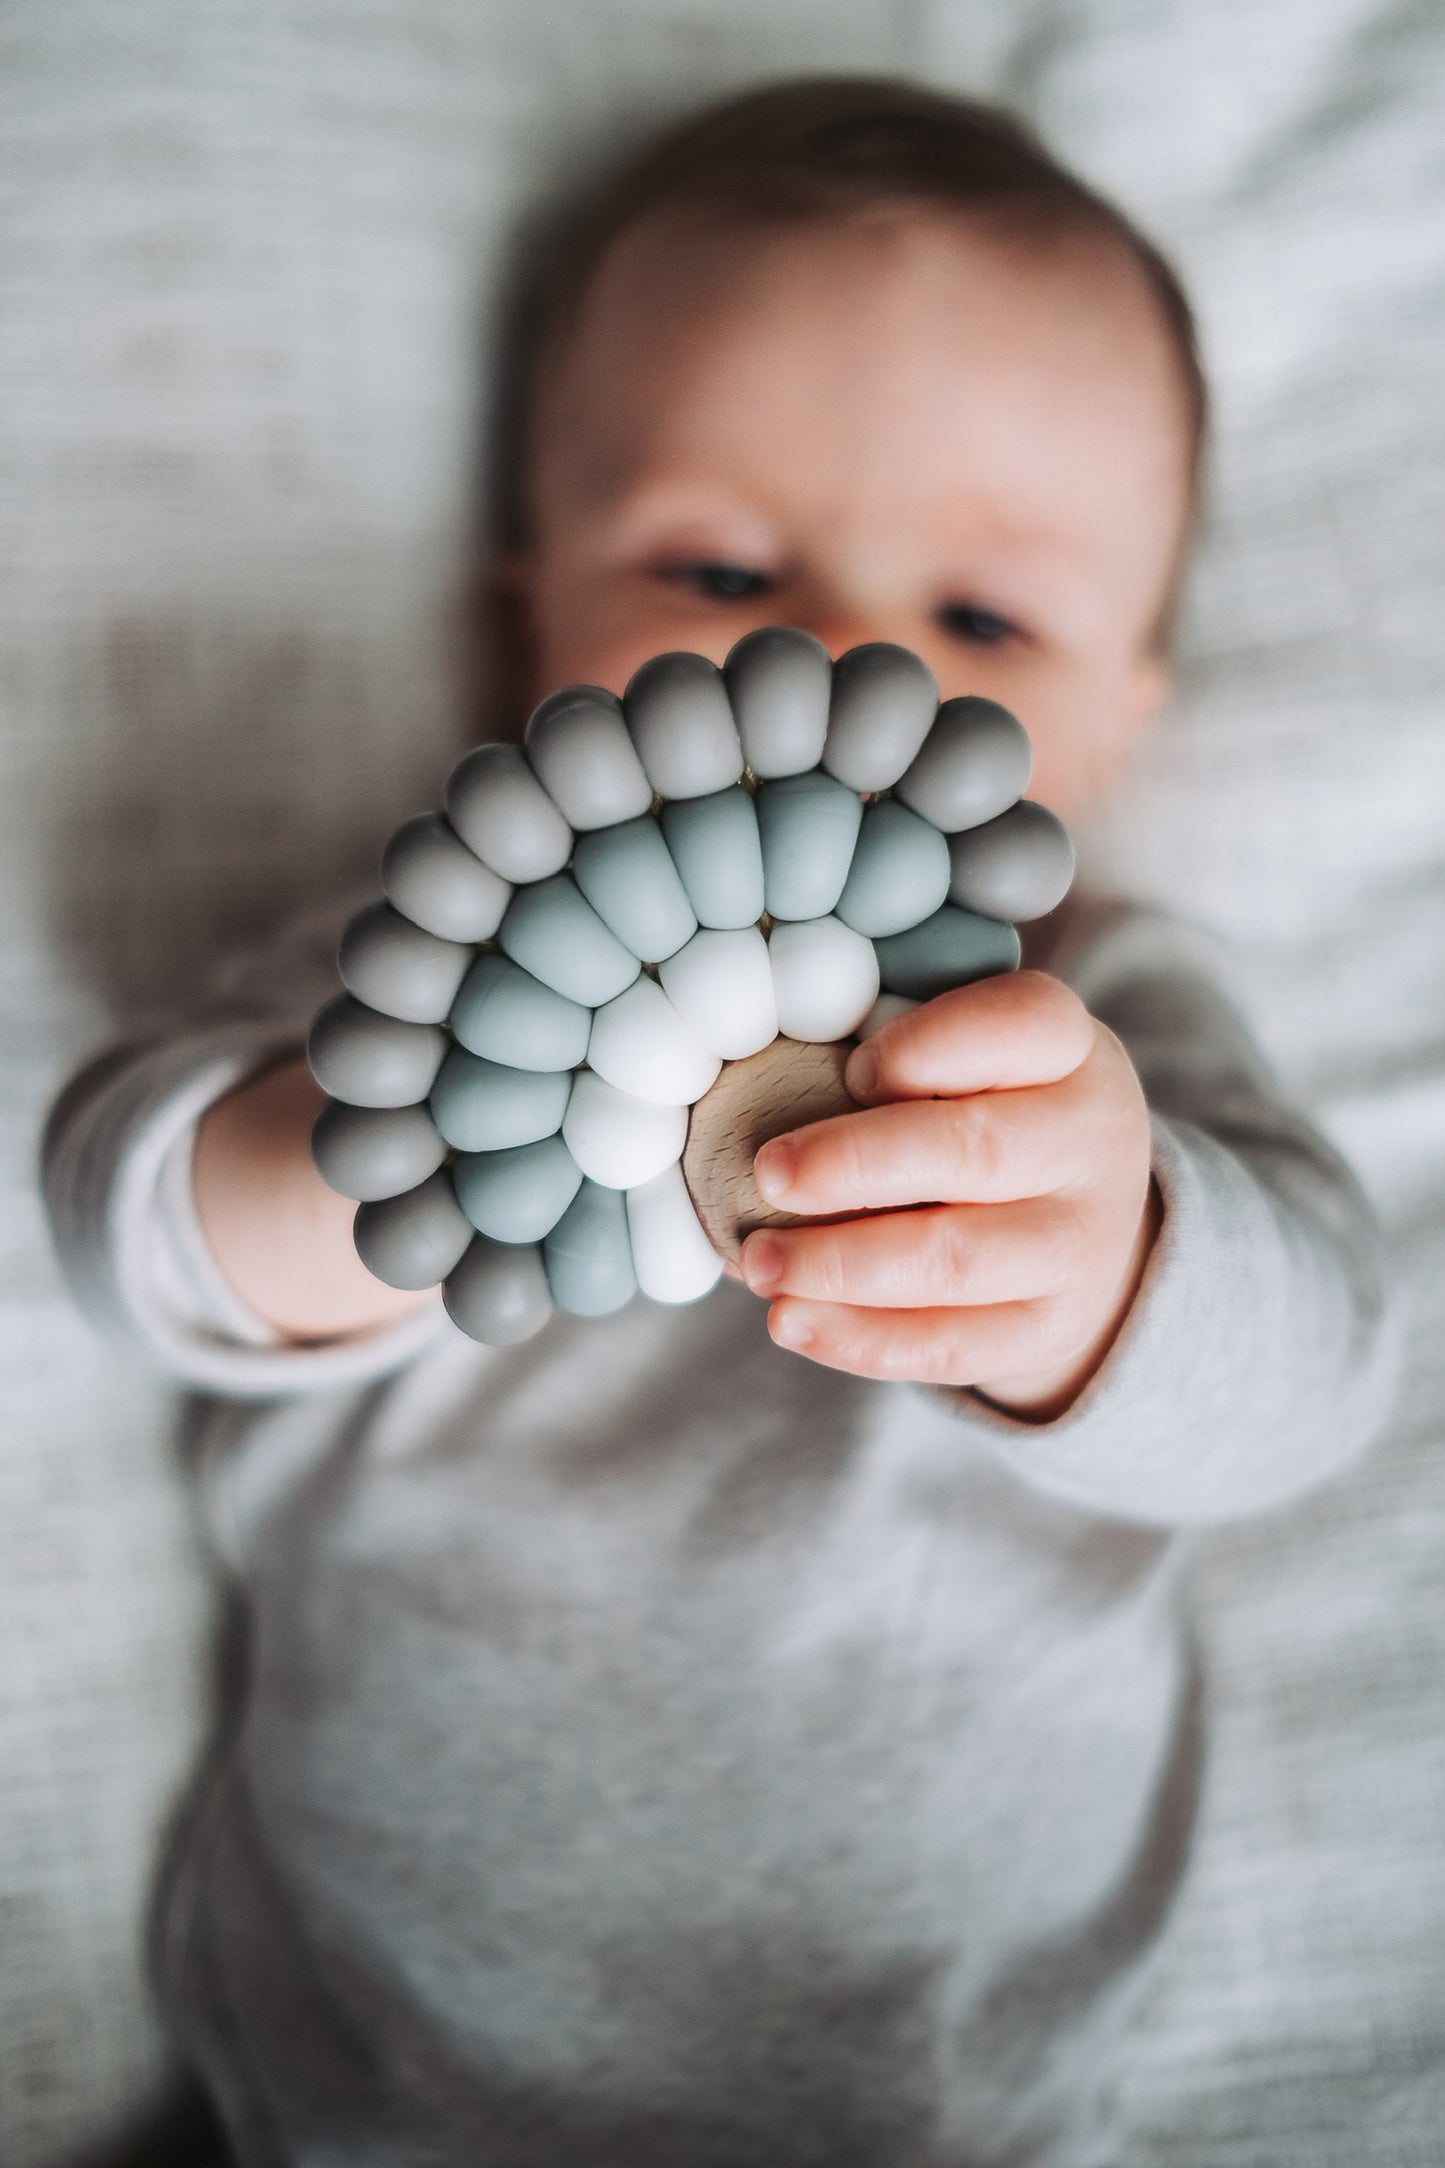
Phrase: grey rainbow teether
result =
(647, 891)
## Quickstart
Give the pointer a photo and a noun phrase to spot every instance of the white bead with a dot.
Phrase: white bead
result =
(681, 723)
(825, 977)
(883, 1011)
(672, 1257)
(721, 984)
(616, 1139)
(578, 746)
(641, 1044)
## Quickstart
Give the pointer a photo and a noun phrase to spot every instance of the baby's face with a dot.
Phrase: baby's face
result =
(885, 428)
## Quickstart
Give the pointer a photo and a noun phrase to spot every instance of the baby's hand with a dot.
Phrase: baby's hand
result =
(1013, 1127)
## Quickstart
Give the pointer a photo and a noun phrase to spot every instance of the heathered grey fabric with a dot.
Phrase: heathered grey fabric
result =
(654, 1748)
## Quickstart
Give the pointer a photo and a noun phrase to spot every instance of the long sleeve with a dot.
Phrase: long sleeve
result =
(1260, 1354)
(116, 1173)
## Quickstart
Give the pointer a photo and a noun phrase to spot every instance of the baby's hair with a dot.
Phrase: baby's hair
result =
(831, 147)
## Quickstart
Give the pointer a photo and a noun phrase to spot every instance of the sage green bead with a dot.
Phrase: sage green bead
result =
(483, 1106)
(552, 931)
(808, 826)
(950, 949)
(506, 1014)
(517, 1195)
(588, 1254)
(715, 848)
(899, 875)
(627, 875)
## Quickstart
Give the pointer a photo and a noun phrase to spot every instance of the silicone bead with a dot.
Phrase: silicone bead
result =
(808, 825)
(578, 746)
(501, 812)
(779, 682)
(370, 1060)
(949, 949)
(899, 875)
(682, 726)
(506, 1014)
(721, 985)
(395, 967)
(715, 847)
(976, 762)
(641, 1044)
(497, 1294)
(617, 1139)
(480, 1106)
(517, 1196)
(374, 1152)
(825, 978)
(1018, 865)
(552, 931)
(413, 1241)
(883, 705)
(588, 1254)
(627, 875)
(883, 1011)
(436, 882)
(672, 1257)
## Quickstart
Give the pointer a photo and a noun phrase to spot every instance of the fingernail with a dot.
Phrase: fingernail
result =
(774, 1169)
(762, 1263)
(861, 1074)
(788, 1329)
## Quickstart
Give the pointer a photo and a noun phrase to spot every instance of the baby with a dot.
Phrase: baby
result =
(655, 1747)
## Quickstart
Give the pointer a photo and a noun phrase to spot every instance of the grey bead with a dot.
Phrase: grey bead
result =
(950, 949)
(808, 826)
(883, 704)
(899, 874)
(1017, 866)
(373, 1152)
(498, 1294)
(552, 931)
(481, 1106)
(627, 875)
(977, 761)
(517, 1196)
(715, 847)
(370, 1060)
(779, 682)
(578, 746)
(589, 1255)
(506, 1014)
(413, 1241)
(682, 726)
(397, 968)
(501, 812)
(436, 882)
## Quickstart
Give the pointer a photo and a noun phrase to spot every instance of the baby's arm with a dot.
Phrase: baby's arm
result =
(1256, 1354)
(281, 1237)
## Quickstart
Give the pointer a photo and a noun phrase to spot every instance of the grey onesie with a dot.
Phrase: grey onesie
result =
(655, 1749)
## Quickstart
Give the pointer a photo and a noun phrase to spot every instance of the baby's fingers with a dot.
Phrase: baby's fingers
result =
(967, 1255)
(1020, 1028)
(923, 1347)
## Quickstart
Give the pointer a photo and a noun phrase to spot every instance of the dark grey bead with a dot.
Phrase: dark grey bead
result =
(883, 704)
(1017, 866)
(498, 1294)
(779, 682)
(682, 726)
(589, 1255)
(578, 745)
(481, 1106)
(899, 874)
(413, 1241)
(500, 810)
(506, 1014)
(950, 949)
(436, 882)
(977, 760)
(627, 875)
(517, 1196)
(373, 1152)
(370, 1060)
(399, 969)
(808, 826)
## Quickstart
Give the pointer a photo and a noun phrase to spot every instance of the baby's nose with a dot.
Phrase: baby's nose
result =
(838, 630)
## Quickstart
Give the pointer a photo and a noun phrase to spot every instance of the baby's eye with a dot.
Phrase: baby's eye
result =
(981, 628)
(719, 582)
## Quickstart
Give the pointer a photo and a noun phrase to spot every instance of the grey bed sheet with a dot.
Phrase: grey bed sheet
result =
(249, 257)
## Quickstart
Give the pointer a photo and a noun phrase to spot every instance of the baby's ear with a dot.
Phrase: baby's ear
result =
(502, 615)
